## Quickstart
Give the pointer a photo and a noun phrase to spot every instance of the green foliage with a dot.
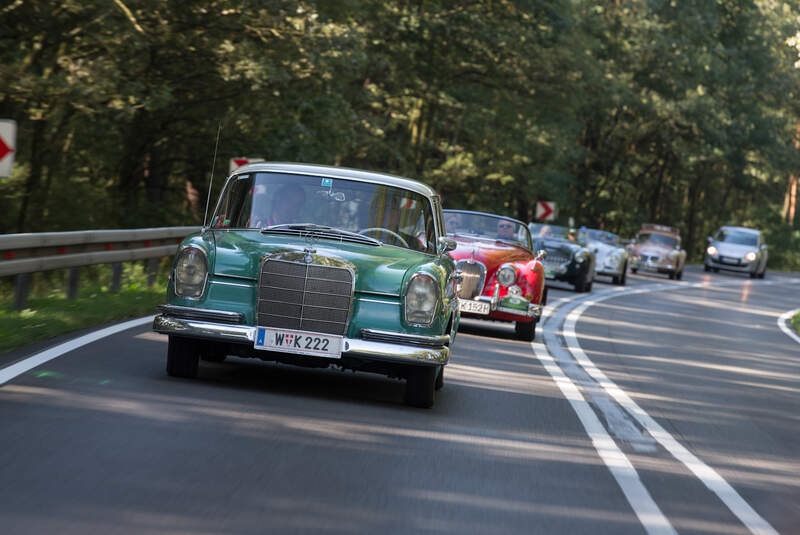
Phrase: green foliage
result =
(49, 313)
(796, 322)
(683, 113)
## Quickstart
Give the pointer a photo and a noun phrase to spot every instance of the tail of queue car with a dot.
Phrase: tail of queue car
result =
(358, 277)
(738, 249)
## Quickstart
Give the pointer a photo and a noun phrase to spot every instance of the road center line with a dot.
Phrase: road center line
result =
(710, 478)
(623, 471)
(20, 367)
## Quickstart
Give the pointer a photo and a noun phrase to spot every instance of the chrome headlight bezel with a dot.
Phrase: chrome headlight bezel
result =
(424, 315)
(507, 275)
(190, 258)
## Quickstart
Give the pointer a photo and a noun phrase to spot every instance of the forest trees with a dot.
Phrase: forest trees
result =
(623, 111)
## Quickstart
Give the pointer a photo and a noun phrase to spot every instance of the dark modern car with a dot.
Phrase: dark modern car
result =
(568, 259)
(738, 249)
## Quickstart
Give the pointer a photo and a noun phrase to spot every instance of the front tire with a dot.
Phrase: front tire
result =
(763, 273)
(183, 357)
(634, 270)
(706, 268)
(439, 379)
(580, 284)
(679, 275)
(526, 331)
(420, 386)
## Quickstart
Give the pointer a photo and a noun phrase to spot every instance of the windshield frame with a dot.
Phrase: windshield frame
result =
(432, 202)
(676, 241)
(472, 213)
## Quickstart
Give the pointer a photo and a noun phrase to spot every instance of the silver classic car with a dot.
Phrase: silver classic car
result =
(611, 257)
(739, 249)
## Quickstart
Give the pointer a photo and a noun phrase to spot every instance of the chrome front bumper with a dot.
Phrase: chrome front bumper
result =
(651, 266)
(743, 267)
(495, 304)
(418, 350)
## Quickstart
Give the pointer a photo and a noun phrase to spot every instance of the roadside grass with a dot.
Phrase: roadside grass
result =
(796, 322)
(48, 312)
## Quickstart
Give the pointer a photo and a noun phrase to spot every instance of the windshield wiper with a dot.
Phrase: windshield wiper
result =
(321, 229)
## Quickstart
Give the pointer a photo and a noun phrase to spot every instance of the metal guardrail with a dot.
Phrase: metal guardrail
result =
(23, 254)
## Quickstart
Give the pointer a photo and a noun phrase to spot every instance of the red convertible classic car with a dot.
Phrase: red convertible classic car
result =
(501, 278)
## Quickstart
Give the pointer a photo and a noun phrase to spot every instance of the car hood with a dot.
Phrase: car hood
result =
(734, 249)
(602, 250)
(379, 269)
(491, 254)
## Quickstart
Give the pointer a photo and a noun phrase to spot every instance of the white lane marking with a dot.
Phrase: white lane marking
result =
(18, 368)
(617, 421)
(782, 323)
(617, 462)
(710, 478)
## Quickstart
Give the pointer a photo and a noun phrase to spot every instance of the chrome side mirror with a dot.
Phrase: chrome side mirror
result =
(446, 244)
(541, 254)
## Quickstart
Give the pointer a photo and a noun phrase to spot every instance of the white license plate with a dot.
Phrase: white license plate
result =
(299, 342)
(473, 307)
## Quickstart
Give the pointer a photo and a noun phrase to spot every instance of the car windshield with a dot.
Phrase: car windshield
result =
(661, 239)
(737, 237)
(487, 226)
(603, 236)
(392, 215)
(549, 231)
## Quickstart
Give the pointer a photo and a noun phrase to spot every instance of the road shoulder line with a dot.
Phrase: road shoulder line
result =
(707, 475)
(18, 368)
(783, 321)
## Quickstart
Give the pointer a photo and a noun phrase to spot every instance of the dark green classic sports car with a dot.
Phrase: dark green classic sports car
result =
(318, 266)
(568, 259)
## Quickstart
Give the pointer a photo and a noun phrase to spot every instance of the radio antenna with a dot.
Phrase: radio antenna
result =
(211, 180)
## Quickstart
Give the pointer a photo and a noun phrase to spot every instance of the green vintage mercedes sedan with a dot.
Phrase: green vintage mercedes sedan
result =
(318, 266)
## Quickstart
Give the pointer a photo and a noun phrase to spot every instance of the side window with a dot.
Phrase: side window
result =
(231, 211)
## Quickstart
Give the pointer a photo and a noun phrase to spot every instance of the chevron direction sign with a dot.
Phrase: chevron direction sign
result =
(8, 146)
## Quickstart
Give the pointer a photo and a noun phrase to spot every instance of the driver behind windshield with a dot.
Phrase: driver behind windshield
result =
(452, 223)
(286, 205)
(505, 230)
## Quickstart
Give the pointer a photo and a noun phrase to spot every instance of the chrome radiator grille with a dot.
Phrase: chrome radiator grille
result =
(473, 275)
(306, 297)
(556, 257)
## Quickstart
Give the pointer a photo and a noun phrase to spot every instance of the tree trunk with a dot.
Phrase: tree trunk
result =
(35, 176)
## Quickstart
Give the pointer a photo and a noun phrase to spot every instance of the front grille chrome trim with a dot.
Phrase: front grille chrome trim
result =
(319, 296)
(473, 277)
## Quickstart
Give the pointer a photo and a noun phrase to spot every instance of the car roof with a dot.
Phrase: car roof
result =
(384, 179)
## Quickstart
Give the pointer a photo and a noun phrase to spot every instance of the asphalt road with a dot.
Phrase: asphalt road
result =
(100, 439)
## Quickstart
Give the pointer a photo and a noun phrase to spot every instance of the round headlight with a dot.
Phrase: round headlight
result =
(750, 256)
(580, 257)
(191, 270)
(422, 296)
(712, 250)
(507, 275)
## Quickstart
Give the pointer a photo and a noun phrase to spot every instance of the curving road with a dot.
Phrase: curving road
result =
(662, 407)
